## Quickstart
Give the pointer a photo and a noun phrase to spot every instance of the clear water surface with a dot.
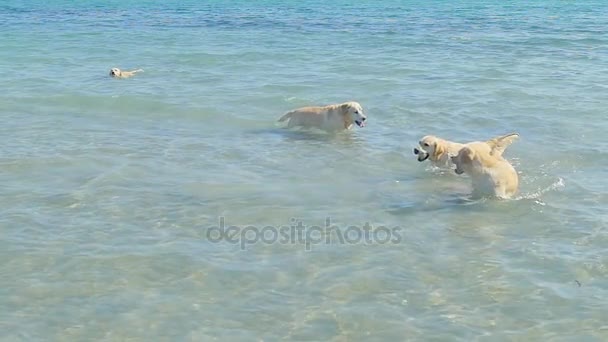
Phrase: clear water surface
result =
(109, 187)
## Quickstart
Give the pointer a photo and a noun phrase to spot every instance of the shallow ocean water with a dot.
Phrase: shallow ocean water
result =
(112, 189)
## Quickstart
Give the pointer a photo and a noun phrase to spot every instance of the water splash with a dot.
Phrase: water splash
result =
(559, 184)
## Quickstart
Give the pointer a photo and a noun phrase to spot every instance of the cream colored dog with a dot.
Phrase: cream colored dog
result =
(330, 118)
(438, 151)
(117, 73)
(491, 174)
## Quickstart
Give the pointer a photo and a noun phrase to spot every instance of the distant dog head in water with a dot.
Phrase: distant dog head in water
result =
(353, 112)
(115, 72)
(430, 147)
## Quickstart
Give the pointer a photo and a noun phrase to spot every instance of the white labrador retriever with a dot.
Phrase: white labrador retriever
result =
(491, 174)
(117, 73)
(329, 118)
(438, 151)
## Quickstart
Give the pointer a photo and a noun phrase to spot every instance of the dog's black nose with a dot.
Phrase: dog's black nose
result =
(416, 151)
(363, 119)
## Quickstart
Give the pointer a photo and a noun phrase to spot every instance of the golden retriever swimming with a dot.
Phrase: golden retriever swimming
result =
(117, 73)
(329, 118)
(491, 174)
(438, 151)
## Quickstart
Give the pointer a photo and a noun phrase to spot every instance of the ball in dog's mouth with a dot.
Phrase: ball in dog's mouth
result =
(360, 123)
(422, 156)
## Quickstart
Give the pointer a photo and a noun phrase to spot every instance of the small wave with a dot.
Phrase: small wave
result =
(299, 100)
(536, 195)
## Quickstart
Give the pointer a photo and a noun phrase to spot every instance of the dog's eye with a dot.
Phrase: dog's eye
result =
(426, 145)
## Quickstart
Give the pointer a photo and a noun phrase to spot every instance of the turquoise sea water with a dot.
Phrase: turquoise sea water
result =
(109, 187)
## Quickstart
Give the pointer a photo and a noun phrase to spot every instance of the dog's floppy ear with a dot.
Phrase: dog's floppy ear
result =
(348, 120)
(344, 108)
(498, 145)
(438, 150)
(466, 155)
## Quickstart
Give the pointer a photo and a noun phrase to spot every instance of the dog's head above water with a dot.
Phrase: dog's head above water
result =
(428, 146)
(354, 113)
(463, 160)
(115, 72)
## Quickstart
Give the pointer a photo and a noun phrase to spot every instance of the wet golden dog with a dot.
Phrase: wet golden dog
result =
(438, 151)
(117, 73)
(329, 118)
(491, 174)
